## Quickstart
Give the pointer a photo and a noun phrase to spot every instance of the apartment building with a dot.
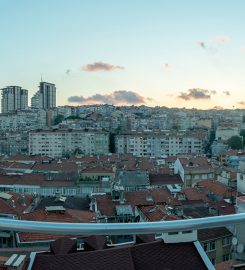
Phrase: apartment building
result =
(193, 170)
(14, 98)
(158, 144)
(58, 143)
(45, 97)
(23, 120)
(224, 133)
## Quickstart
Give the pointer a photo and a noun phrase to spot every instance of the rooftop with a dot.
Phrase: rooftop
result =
(153, 255)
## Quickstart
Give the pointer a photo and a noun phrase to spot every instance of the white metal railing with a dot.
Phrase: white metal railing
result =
(119, 228)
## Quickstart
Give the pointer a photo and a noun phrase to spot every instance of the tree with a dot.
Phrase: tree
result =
(73, 117)
(235, 142)
(58, 119)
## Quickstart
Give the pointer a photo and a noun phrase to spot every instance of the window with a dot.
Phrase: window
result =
(226, 257)
(185, 232)
(209, 246)
(172, 233)
(226, 241)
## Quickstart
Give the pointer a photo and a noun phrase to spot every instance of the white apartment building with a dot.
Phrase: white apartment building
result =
(45, 97)
(241, 177)
(58, 143)
(224, 133)
(37, 100)
(23, 120)
(157, 144)
(66, 111)
(14, 98)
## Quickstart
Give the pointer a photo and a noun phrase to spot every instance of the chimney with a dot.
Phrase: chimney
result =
(122, 199)
(13, 203)
(22, 199)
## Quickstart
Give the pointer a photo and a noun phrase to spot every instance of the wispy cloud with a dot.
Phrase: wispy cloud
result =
(68, 71)
(166, 66)
(101, 66)
(220, 40)
(213, 45)
(217, 108)
(227, 93)
(121, 97)
(207, 47)
(196, 93)
(202, 44)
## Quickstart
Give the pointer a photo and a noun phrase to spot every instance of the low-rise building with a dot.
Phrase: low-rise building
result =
(58, 143)
(159, 144)
(193, 170)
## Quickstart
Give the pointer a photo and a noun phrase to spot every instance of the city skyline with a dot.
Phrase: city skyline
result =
(168, 54)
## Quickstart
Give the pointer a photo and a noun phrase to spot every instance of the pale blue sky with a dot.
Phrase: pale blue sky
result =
(49, 37)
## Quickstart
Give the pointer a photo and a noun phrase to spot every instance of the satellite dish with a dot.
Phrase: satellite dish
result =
(240, 248)
(234, 241)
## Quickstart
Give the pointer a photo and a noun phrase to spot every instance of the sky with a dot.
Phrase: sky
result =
(178, 53)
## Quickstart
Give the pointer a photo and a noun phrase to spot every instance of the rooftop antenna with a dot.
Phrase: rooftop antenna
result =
(41, 77)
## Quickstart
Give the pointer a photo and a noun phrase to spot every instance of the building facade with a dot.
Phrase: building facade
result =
(158, 144)
(14, 98)
(58, 143)
(45, 98)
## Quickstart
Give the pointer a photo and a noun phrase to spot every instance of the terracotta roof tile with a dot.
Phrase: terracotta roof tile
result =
(153, 255)
(165, 179)
(214, 233)
(46, 217)
(217, 188)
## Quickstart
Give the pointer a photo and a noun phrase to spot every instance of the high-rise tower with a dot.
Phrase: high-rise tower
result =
(45, 98)
(14, 98)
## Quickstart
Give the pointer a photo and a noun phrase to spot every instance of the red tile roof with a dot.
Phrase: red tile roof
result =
(217, 188)
(45, 217)
(82, 216)
(192, 194)
(163, 196)
(228, 264)
(165, 179)
(33, 179)
(156, 213)
(153, 255)
(6, 208)
(214, 233)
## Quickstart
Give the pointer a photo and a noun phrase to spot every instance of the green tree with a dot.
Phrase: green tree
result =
(58, 119)
(73, 117)
(235, 142)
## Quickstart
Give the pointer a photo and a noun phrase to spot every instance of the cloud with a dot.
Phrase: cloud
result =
(241, 103)
(101, 66)
(207, 47)
(220, 40)
(202, 44)
(121, 97)
(68, 71)
(196, 93)
(213, 92)
(227, 93)
(217, 108)
(166, 66)
(213, 45)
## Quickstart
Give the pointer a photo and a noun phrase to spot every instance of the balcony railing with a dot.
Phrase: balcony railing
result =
(119, 228)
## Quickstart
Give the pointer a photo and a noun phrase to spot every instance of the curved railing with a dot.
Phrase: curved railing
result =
(119, 228)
